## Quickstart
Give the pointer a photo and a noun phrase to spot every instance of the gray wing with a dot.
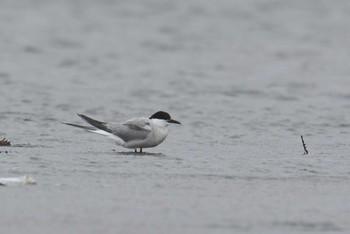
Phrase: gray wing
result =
(134, 129)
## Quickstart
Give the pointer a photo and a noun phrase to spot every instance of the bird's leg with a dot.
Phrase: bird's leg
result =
(135, 150)
(140, 150)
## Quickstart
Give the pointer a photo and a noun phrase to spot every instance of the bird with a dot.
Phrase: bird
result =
(135, 133)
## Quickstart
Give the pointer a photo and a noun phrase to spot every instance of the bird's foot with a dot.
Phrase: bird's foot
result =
(139, 151)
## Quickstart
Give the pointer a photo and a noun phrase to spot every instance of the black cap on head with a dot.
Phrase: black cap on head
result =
(165, 116)
(160, 115)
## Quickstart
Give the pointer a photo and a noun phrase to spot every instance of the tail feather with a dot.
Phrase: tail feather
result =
(88, 128)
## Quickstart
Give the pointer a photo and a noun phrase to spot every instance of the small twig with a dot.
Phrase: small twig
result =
(302, 140)
(5, 142)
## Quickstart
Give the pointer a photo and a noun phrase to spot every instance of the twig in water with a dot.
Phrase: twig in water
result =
(5, 142)
(302, 140)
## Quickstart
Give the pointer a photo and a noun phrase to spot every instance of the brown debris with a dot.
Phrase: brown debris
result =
(5, 142)
(304, 145)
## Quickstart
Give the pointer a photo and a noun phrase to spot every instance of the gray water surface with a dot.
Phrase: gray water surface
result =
(245, 79)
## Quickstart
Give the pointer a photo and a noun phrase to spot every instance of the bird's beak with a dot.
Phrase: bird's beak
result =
(173, 121)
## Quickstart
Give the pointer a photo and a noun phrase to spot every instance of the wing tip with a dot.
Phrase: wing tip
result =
(96, 123)
(85, 118)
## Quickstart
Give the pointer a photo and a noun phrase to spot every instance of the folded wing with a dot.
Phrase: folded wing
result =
(134, 129)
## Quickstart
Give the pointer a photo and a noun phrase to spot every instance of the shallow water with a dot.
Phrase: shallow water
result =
(245, 79)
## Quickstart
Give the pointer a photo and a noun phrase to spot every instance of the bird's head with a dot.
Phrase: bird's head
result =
(163, 117)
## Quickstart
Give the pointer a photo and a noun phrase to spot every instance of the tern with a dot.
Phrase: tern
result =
(135, 133)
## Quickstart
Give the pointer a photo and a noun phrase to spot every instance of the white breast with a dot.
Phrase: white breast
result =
(159, 132)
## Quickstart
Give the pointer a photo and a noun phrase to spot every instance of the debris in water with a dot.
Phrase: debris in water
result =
(17, 180)
(5, 142)
(305, 150)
